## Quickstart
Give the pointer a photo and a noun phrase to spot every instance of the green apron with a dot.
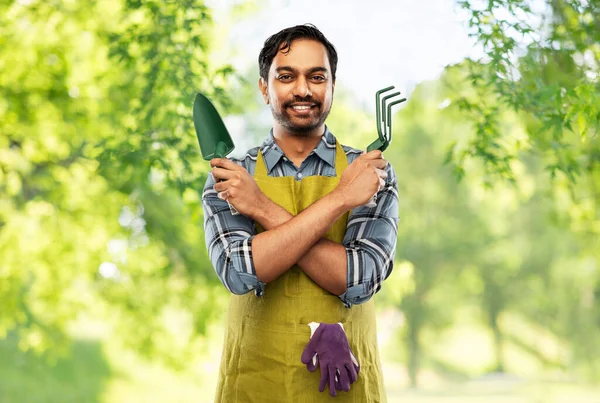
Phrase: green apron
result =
(265, 336)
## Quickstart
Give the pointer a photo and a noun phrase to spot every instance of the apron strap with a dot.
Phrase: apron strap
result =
(260, 170)
(341, 161)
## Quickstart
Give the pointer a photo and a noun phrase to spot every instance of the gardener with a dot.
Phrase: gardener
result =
(303, 240)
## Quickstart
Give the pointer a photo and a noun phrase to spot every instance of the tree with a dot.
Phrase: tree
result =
(100, 172)
(545, 69)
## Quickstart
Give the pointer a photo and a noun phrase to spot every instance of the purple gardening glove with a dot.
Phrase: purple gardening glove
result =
(329, 347)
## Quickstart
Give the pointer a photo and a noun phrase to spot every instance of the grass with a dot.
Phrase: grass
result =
(29, 378)
(99, 371)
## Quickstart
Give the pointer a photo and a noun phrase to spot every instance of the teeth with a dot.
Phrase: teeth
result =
(301, 107)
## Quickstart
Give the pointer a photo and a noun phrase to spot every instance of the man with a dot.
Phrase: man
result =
(303, 240)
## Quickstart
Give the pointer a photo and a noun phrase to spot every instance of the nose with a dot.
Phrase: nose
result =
(301, 89)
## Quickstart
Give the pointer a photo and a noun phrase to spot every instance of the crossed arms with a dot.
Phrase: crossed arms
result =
(353, 270)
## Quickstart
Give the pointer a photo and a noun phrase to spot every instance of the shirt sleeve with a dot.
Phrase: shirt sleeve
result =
(370, 243)
(228, 240)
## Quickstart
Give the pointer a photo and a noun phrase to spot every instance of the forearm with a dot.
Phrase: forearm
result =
(325, 262)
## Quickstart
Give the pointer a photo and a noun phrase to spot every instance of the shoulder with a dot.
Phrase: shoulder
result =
(247, 160)
(351, 153)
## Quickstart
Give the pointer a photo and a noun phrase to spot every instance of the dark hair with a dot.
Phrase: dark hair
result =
(285, 37)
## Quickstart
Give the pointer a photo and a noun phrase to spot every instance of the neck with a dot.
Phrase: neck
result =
(297, 146)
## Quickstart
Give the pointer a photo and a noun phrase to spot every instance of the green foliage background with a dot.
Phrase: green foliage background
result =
(106, 290)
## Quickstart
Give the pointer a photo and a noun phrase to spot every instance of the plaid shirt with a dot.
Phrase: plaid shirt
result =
(370, 238)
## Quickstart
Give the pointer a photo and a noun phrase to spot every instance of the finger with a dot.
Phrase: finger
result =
(376, 165)
(344, 380)
(223, 195)
(225, 163)
(371, 155)
(354, 361)
(324, 374)
(379, 163)
(312, 365)
(309, 352)
(332, 380)
(311, 348)
(382, 173)
(223, 174)
(221, 185)
(352, 374)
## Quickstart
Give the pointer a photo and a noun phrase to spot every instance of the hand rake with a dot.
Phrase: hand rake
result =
(384, 126)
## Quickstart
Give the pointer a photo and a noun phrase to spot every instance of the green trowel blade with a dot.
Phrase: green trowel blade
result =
(213, 137)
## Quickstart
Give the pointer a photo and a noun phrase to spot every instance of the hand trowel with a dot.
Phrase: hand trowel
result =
(213, 137)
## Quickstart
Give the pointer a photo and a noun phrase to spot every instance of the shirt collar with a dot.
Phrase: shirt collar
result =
(325, 150)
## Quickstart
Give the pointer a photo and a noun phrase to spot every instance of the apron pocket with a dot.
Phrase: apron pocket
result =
(263, 370)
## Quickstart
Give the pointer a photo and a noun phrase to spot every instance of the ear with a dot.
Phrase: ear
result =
(262, 86)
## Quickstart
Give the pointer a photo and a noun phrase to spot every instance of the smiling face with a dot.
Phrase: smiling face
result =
(300, 88)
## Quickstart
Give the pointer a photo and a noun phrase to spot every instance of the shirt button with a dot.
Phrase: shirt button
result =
(299, 175)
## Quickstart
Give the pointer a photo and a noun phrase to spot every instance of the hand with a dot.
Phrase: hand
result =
(235, 185)
(363, 178)
(329, 347)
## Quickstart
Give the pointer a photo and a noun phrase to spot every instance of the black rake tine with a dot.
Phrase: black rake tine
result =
(389, 113)
(385, 118)
(380, 113)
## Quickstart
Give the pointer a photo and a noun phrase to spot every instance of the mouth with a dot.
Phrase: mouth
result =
(302, 109)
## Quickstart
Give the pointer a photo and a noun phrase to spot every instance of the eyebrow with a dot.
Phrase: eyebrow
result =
(293, 70)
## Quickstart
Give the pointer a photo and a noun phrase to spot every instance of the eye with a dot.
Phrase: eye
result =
(284, 77)
(318, 78)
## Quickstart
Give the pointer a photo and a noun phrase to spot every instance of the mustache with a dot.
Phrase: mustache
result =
(302, 99)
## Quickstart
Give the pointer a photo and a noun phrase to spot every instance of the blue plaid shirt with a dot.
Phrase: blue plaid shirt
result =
(370, 238)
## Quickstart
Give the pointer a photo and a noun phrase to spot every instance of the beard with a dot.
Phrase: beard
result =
(307, 125)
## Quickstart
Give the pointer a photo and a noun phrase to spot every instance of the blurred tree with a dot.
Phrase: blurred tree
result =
(100, 172)
(434, 212)
(485, 242)
(100, 177)
(543, 64)
(540, 62)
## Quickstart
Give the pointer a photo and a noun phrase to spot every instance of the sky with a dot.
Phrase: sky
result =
(388, 42)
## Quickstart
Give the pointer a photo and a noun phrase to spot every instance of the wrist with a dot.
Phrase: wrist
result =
(260, 208)
(339, 201)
